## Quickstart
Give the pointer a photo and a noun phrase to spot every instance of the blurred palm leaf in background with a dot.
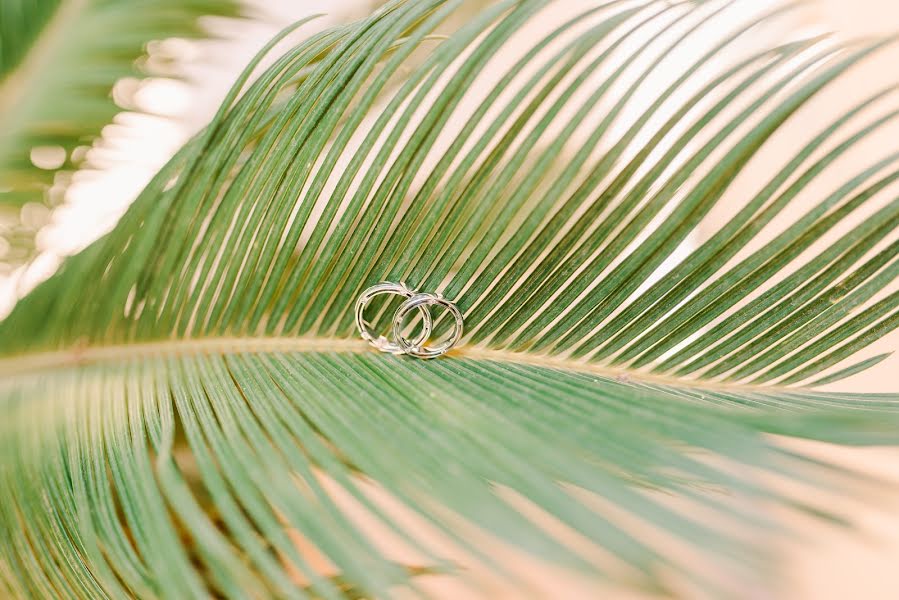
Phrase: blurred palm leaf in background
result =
(59, 60)
(189, 410)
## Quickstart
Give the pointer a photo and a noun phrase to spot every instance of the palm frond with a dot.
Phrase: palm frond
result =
(22, 22)
(59, 60)
(188, 395)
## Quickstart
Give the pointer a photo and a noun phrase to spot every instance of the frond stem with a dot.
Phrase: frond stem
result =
(78, 356)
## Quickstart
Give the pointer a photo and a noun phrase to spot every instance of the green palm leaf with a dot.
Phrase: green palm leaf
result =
(189, 394)
(59, 60)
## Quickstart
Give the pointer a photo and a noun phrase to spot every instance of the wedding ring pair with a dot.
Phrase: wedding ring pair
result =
(415, 301)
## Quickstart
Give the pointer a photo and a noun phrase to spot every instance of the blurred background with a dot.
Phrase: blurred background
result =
(187, 79)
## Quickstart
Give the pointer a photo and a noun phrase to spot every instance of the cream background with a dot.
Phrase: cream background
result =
(833, 566)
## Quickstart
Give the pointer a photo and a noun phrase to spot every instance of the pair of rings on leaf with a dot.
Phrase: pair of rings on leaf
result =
(415, 301)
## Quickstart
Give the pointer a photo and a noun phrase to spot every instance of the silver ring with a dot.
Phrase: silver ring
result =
(380, 342)
(421, 302)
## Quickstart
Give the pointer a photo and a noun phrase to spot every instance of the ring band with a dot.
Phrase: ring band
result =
(381, 342)
(420, 302)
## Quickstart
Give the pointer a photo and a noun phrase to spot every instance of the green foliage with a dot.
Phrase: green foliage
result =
(21, 22)
(59, 60)
(189, 392)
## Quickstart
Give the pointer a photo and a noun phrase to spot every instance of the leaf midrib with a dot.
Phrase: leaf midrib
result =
(81, 356)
